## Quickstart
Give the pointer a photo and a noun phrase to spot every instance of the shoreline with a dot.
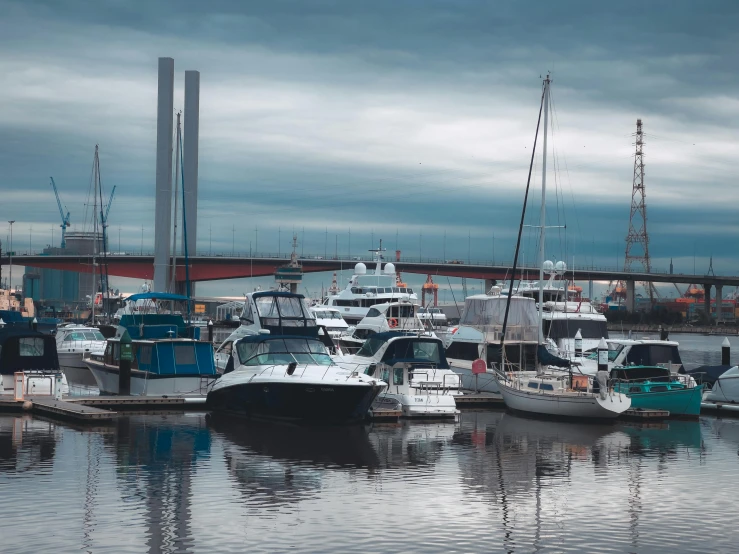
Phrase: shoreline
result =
(692, 329)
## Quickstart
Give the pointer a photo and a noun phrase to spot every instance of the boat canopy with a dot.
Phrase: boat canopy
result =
(405, 348)
(156, 326)
(23, 349)
(486, 313)
(158, 296)
(282, 313)
(183, 357)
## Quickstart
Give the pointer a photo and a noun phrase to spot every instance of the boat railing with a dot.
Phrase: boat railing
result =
(448, 382)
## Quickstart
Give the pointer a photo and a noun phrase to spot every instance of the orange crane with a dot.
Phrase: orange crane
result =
(430, 288)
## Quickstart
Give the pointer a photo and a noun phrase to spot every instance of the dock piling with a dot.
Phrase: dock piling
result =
(726, 352)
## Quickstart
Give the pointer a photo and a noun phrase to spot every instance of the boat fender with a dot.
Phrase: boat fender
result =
(291, 368)
(392, 322)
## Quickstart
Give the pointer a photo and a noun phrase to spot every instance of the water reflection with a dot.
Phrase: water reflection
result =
(26, 444)
(492, 481)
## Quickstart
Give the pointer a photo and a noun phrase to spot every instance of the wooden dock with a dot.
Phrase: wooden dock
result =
(141, 402)
(480, 400)
(385, 415)
(645, 414)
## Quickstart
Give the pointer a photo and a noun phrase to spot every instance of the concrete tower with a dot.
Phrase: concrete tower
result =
(190, 160)
(163, 205)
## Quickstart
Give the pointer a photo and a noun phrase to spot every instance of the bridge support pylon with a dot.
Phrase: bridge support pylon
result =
(630, 296)
(707, 303)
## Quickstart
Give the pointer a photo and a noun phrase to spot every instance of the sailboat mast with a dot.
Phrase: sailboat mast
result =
(543, 213)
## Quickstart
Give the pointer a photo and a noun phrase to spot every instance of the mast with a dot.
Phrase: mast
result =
(520, 230)
(543, 213)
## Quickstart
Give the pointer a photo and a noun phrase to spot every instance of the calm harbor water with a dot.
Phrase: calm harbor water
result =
(492, 482)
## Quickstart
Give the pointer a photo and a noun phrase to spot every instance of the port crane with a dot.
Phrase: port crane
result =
(65, 219)
(107, 209)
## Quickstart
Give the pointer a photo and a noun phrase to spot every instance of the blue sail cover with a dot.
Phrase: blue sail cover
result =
(158, 296)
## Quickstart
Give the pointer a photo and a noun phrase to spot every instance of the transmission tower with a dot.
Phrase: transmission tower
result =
(637, 235)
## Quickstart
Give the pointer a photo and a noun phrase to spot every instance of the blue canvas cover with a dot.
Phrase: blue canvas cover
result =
(182, 358)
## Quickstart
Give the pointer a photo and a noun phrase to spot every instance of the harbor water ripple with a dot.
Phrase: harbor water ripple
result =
(492, 482)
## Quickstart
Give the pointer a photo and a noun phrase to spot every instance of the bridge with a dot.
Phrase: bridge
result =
(217, 267)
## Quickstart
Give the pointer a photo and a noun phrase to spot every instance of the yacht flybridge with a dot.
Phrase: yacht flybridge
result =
(367, 289)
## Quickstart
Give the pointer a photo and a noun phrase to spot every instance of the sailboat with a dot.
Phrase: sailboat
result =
(552, 393)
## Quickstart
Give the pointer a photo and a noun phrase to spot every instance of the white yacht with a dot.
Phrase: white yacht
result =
(391, 316)
(367, 289)
(623, 352)
(419, 380)
(72, 342)
(291, 377)
(331, 319)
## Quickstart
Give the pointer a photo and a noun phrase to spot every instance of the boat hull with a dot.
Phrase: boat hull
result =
(565, 405)
(310, 402)
(484, 382)
(430, 406)
(681, 402)
(75, 369)
(143, 384)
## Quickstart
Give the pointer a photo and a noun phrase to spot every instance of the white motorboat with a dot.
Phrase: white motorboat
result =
(419, 380)
(390, 316)
(23, 350)
(364, 290)
(330, 319)
(623, 352)
(291, 377)
(724, 395)
(72, 342)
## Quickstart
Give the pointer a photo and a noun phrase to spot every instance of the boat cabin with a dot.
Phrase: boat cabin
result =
(642, 353)
(164, 357)
(23, 349)
(640, 379)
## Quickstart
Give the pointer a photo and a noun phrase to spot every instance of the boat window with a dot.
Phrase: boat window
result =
(184, 354)
(634, 389)
(371, 346)
(290, 307)
(658, 388)
(31, 346)
(374, 312)
(463, 350)
(145, 354)
(613, 352)
(226, 347)
(336, 315)
(246, 314)
(406, 311)
(94, 335)
(267, 307)
(398, 376)
(546, 386)
(533, 385)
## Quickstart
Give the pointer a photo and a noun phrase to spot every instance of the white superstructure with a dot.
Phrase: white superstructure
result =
(331, 319)
(367, 289)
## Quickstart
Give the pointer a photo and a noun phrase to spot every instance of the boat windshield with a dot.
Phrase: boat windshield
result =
(283, 351)
(567, 329)
(92, 334)
(284, 311)
(327, 314)
(614, 350)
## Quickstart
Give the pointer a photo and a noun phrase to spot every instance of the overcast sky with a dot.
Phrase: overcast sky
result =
(383, 117)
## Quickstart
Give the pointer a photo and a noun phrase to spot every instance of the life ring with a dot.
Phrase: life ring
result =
(392, 322)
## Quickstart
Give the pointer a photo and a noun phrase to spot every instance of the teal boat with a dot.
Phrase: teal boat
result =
(655, 388)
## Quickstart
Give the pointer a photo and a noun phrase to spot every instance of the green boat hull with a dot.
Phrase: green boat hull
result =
(679, 402)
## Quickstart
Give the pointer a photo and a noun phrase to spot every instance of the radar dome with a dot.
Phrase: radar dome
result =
(389, 268)
(560, 267)
(360, 269)
(548, 265)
